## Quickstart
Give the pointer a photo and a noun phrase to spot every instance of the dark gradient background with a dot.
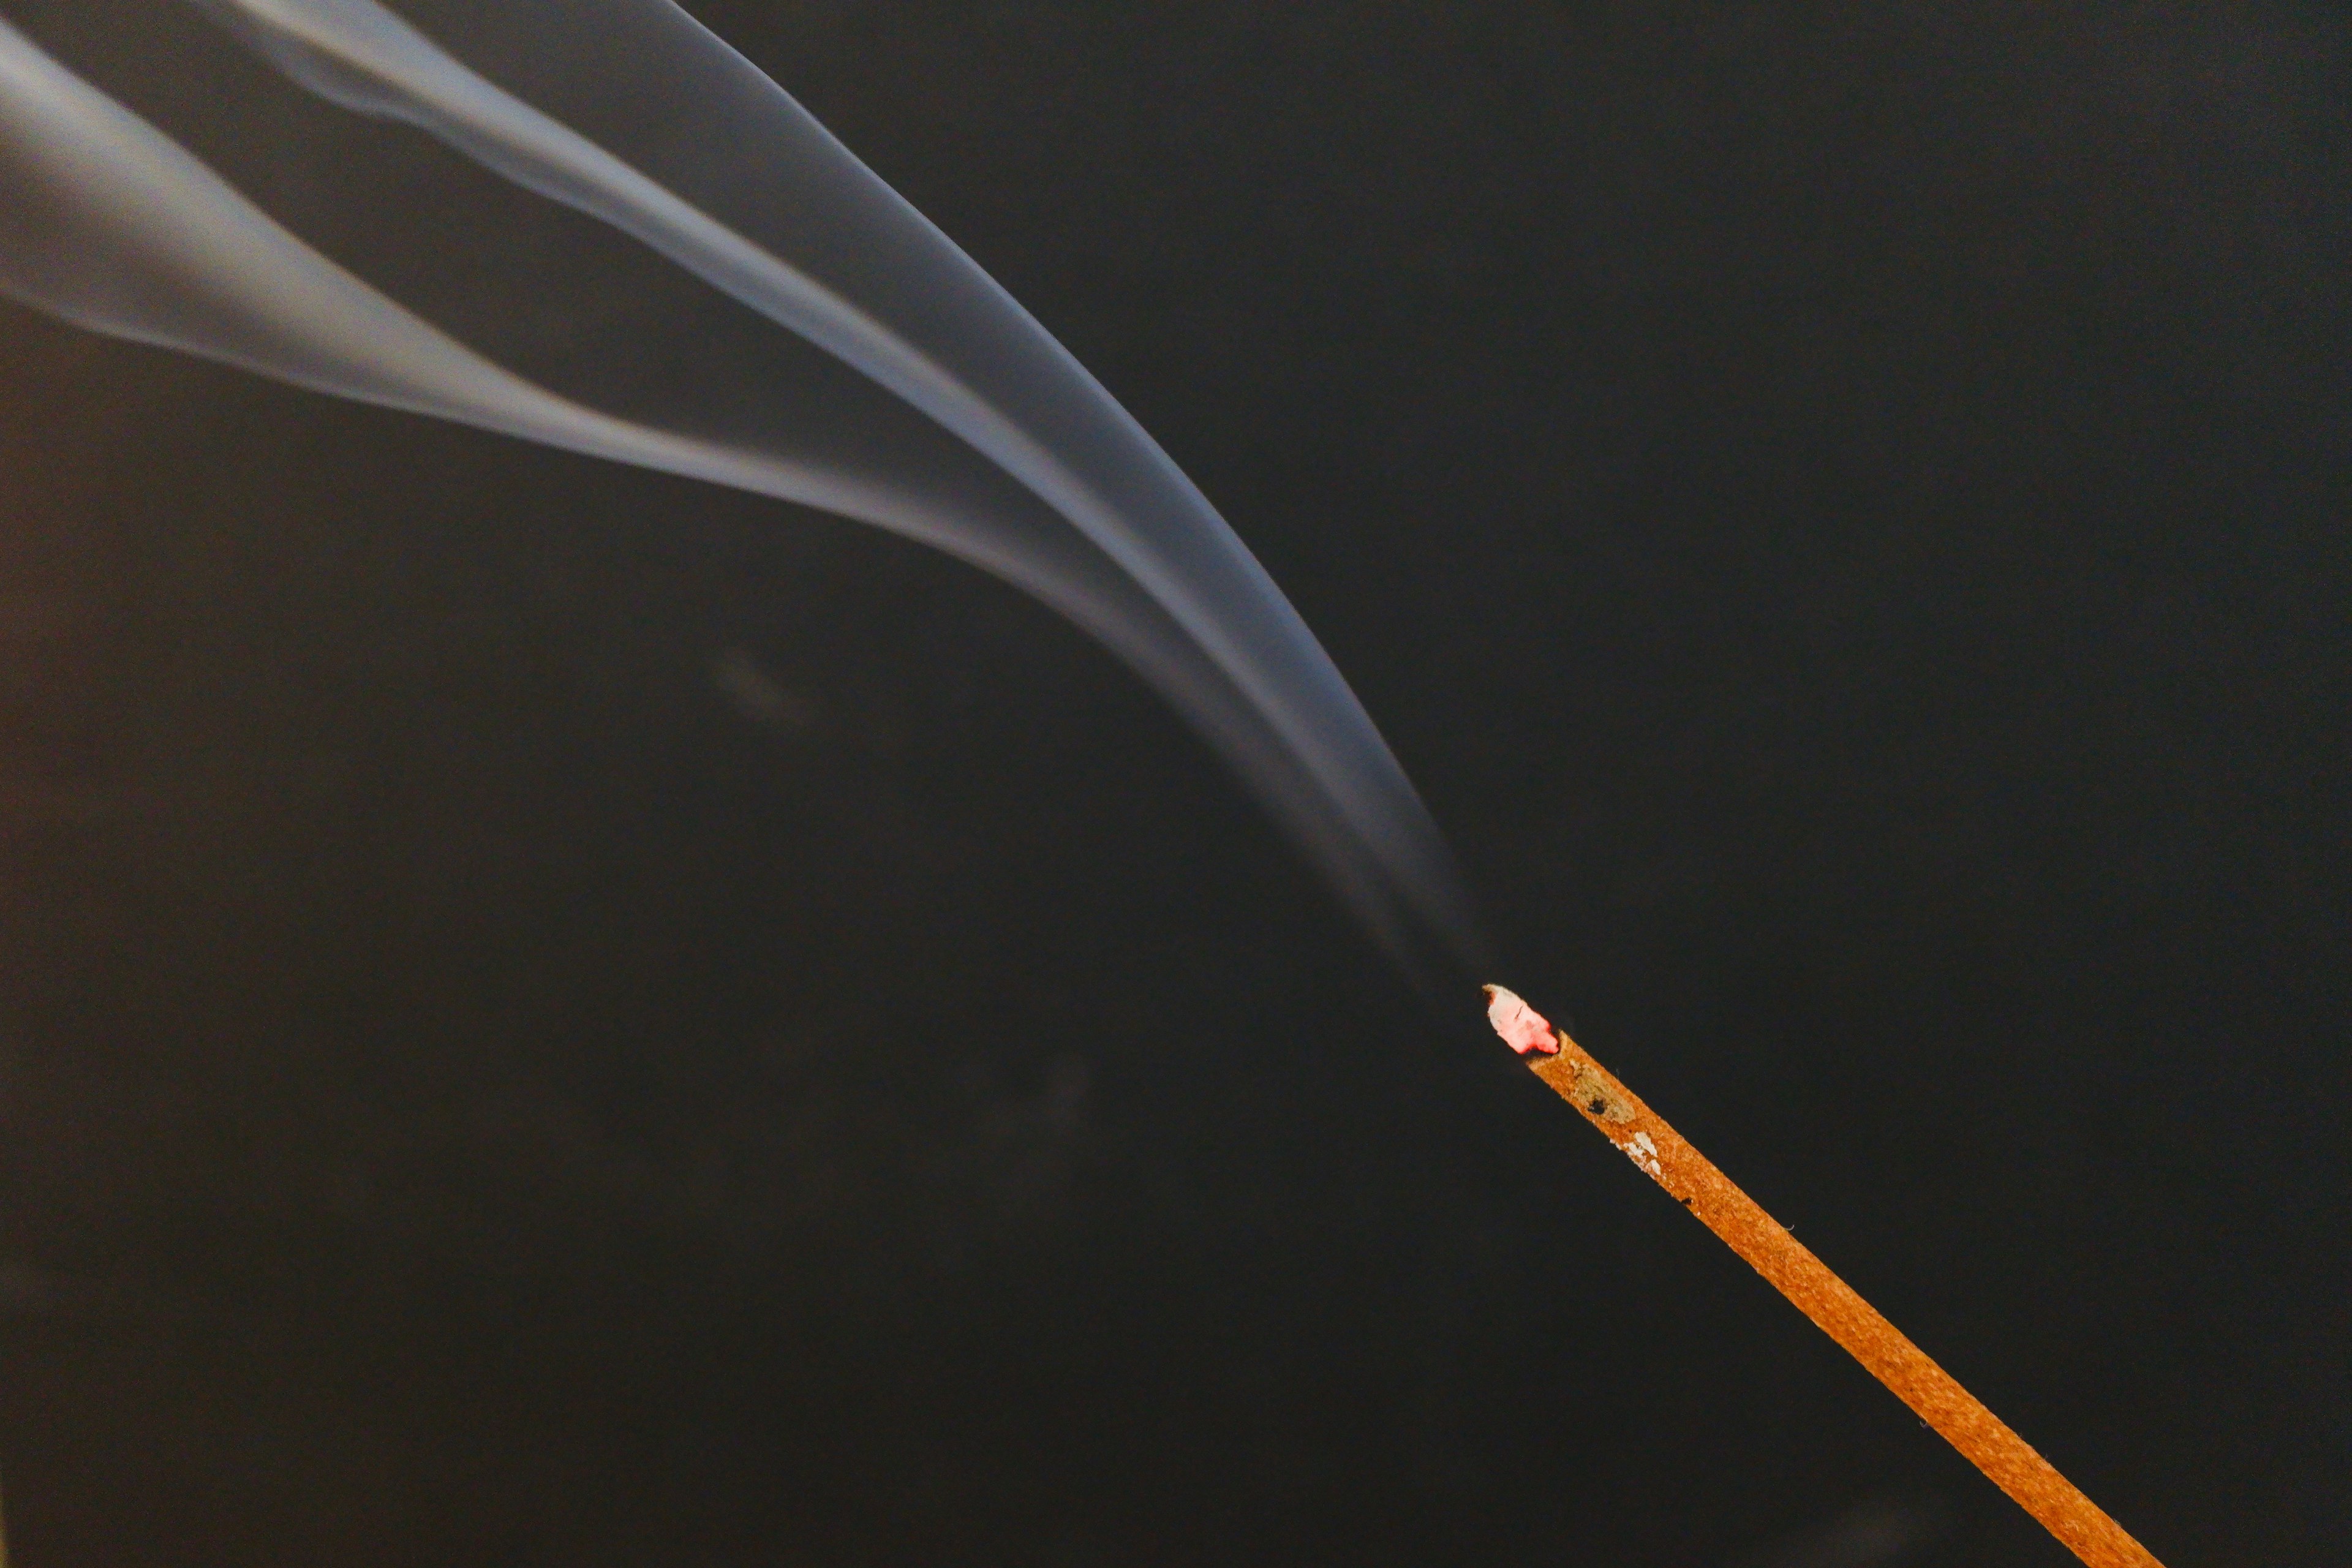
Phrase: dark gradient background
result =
(550, 1015)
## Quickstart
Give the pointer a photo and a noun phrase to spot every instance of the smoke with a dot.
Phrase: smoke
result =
(1871, 1534)
(719, 289)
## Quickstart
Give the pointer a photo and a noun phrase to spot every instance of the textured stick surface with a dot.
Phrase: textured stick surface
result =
(1931, 1392)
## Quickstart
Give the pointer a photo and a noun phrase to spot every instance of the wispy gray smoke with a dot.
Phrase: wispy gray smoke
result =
(912, 393)
(1875, 1533)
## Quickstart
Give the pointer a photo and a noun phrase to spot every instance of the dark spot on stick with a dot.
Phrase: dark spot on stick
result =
(1593, 1093)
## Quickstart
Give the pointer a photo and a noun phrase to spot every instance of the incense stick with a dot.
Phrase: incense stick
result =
(1692, 1180)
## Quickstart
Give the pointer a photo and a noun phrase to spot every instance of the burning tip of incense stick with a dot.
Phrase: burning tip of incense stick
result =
(1523, 1028)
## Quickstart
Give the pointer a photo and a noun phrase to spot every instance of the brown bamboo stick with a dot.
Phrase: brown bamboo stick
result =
(1693, 1181)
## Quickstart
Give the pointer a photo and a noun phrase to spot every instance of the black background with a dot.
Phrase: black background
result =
(553, 1014)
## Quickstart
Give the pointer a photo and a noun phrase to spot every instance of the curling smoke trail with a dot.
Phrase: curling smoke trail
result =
(932, 405)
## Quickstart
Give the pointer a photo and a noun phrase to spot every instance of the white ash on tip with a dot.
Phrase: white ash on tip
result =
(1523, 1028)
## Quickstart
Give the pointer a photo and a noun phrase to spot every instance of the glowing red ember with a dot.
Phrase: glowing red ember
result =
(1523, 1028)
